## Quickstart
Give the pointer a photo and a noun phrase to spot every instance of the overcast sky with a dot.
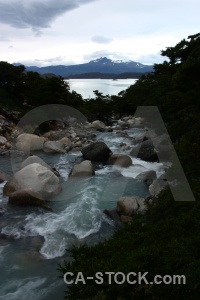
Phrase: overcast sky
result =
(51, 32)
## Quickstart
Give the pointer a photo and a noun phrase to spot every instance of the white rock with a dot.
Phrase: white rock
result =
(128, 206)
(138, 121)
(157, 186)
(3, 140)
(73, 135)
(125, 119)
(131, 122)
(66, 141)
(34, 159)
(98, 125)
(37, 177)
(52, 147)
(85, 168)
(142, 205)
(78, 144)
(29, 142)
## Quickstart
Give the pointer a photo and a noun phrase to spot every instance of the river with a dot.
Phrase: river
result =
(36, 240)
(85, 87)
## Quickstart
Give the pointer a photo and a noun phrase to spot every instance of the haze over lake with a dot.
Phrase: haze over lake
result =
(85, 87)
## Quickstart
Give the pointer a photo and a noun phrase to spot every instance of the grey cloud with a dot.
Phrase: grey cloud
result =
(108, 54)
(101, 39)
(4, 39)
(59, 60)
(150, 58)
(97, 54)
(35, 14)
(144, 59)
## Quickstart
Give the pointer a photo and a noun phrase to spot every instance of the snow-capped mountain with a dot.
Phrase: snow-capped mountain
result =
(100, 65)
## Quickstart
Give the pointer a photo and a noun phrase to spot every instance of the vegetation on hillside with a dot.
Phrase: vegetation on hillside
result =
(25, 90)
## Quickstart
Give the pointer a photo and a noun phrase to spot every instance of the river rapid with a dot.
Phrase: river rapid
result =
(35, 241)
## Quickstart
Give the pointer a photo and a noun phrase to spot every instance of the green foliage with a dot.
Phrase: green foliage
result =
(25, 90)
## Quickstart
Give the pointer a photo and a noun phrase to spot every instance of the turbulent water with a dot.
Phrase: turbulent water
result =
(36, 240)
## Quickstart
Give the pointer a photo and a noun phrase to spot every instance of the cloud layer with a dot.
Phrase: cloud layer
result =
(35, 14)
(82, 30)
(99, 39)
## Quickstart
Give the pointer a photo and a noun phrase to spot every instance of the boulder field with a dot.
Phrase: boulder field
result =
(36, 182)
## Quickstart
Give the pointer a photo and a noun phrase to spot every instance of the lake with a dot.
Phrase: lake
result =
(85, 87)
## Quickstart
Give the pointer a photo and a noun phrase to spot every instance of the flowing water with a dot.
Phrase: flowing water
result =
(36, 241)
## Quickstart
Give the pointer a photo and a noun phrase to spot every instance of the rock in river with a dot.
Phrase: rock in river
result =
(121, 160)
(147, 176)
(36, 177)
(157, 186)
(52, 147)
(27, 197)
(145, 151)
(84, 169)
(128, 206)
(98, 125)
(29, 142)
(97, 152)
(34, 159)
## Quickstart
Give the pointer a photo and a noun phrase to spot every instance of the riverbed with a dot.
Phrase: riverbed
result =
(36, 240)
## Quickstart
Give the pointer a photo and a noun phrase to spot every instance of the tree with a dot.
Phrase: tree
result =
(12, 79)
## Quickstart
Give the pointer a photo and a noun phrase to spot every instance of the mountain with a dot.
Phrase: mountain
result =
(101, 65)
(99, 75)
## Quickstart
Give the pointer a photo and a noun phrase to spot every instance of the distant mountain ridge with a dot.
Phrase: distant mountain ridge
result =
(101, 65)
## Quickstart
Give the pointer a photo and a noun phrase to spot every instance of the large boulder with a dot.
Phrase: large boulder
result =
(52, 147)
(145, 151)
(128, 206)
(34, 159)
(98, 125)
(147, 176)
(27, 197)
(157, 186)
(66, 141)
(29, 142)
(84, 169)
(131, 122)
(121, 160)
(3, 140)
(97, 152)
(122, 124)
(36, 177)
